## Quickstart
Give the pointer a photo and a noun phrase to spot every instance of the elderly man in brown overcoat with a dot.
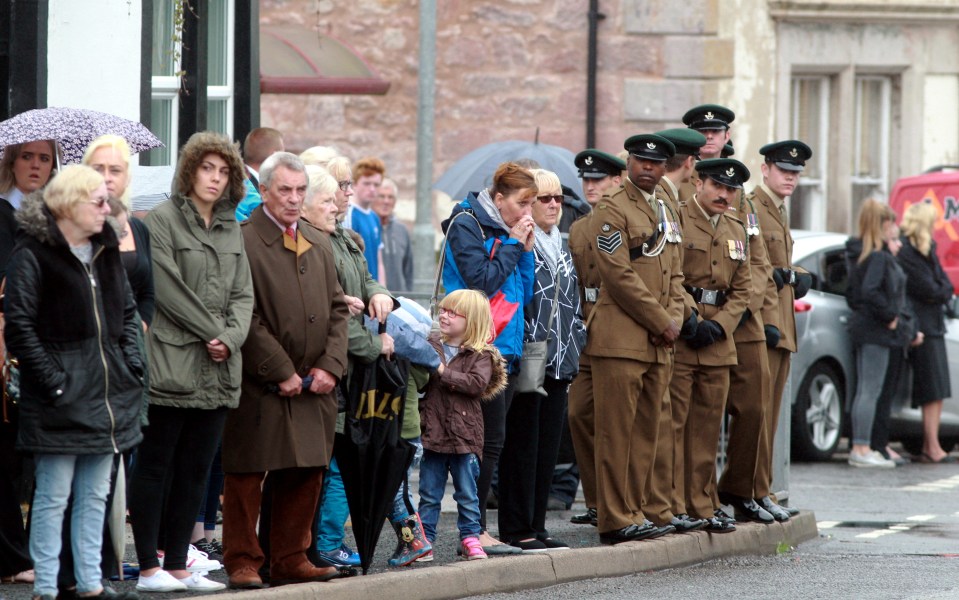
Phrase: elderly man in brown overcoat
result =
(283, 425)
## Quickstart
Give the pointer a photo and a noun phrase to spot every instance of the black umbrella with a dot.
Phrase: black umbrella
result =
(373, 458)
(475, 171)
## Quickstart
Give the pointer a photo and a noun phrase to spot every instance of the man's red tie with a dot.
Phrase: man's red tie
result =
(291, 232)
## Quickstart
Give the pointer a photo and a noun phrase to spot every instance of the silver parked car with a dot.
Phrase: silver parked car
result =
(823, 370)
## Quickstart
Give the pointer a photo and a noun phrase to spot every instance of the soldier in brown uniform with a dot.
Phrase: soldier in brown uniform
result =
(631, 329)
(783, 163)
(601, 173)
(681, 167)
(749, 385)
(711, 120)
(664, 503)
(717, 277)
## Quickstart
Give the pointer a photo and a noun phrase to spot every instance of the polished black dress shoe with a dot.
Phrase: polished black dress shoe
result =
(661, 530)
(747, 509)
(684, 522)
(717, 525)
(630, 533)
(778, 512)
(587, 518)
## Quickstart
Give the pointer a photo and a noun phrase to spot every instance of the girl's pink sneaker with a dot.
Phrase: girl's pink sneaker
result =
(472, 549)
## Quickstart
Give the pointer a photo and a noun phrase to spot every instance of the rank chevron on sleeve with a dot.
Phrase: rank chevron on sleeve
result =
(609, 243)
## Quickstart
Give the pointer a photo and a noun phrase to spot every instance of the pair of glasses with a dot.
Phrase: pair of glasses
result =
(445, 312)
(345, 185)
(557, 198)
(99, 202)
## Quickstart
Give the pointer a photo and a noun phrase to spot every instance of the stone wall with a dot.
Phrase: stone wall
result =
(503, 69)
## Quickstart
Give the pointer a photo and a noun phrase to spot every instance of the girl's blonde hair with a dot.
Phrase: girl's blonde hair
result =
(122, 148)
(917, 224)
(873, 216)
(546, 181)
(479, 319)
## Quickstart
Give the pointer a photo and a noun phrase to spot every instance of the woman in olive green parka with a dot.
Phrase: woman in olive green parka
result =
(204, 303)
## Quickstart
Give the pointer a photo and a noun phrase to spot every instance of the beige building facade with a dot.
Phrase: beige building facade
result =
(871, 85)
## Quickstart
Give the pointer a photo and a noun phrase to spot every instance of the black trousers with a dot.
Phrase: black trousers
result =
(534, 428)
(179, 443)
(14, 551)
(494, 436)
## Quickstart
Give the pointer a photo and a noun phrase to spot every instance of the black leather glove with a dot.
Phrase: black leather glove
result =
(747, 314)
(778, 278)
(690, 326)
(707, 333)
(803, 283)
(772, 335)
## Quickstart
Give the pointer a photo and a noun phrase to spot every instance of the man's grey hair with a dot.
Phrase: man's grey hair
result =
(281, 159)
(387, 182)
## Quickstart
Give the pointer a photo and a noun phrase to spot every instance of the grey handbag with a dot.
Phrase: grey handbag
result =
(532, 365)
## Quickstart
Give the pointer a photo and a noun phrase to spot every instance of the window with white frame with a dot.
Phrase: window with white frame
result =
(219, 89)
(165, 84)
(872, 128)
(810, 124)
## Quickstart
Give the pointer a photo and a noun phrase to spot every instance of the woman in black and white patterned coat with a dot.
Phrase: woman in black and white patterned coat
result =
(534, 422)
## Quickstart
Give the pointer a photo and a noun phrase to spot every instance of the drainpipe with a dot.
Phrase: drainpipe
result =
(594, 17)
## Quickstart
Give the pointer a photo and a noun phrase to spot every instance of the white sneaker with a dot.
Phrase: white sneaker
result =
(870, 459)
(199, 583)
(161, 581)
(199, 562)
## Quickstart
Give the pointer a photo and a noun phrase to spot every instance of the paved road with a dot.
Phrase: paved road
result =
(884, 534)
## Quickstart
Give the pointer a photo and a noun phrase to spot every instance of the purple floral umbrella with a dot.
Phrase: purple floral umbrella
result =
(74, 129)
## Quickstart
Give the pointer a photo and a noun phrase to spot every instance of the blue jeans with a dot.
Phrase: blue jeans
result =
(465, 470)
(400, 509)
(88, 478)
(333, 509)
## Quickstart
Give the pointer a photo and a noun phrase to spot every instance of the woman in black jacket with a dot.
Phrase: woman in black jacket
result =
(71, 322)
(880, 321)
(928, 288)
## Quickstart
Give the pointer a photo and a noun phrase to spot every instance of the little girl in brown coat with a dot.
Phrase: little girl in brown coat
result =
(470, 370)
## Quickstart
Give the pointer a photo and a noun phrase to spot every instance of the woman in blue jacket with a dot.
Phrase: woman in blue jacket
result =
(490, 248)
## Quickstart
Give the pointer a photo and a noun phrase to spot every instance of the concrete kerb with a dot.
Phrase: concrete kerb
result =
(508, 574)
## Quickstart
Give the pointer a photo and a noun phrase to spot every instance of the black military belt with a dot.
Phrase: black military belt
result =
(788, 275)
(704, 296)
(592, 294)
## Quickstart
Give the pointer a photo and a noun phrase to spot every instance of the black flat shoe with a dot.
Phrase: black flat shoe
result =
(778, 512)
(684, 522)
(533, 546)
(552, 543)
(587, 518)
(747, 509)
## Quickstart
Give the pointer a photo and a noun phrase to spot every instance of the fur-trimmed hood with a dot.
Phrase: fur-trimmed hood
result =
(35, 220)
(199, 145)
(498, 381)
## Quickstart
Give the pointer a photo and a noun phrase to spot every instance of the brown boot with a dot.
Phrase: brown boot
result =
(246, 578)
(303, 573)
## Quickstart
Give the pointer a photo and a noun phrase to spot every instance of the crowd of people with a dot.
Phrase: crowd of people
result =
(210, 348)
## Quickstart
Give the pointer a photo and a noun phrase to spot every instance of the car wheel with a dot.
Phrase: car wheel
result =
(817, 416)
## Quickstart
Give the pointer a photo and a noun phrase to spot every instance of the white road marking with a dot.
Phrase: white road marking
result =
(939, 485)
(829, 524)
(921, 517)
(878, 533)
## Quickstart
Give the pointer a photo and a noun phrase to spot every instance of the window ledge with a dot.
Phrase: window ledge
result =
(898, 13)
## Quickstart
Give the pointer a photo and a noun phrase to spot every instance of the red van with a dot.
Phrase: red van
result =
(940, 186)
